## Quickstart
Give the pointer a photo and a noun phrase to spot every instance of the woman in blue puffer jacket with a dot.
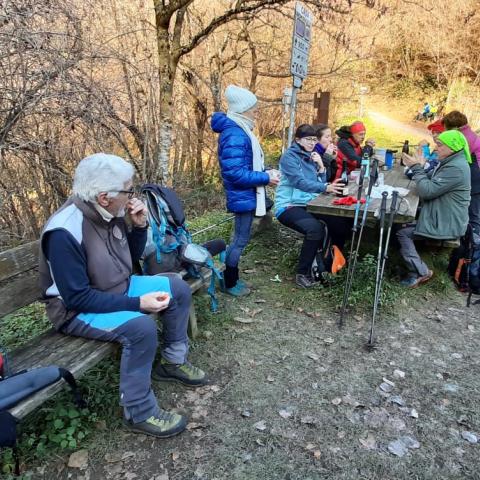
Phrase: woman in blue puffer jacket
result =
(243, 175)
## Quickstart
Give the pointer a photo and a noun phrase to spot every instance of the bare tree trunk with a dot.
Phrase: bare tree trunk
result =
(184, 154)
(201, 121)
(168, 58)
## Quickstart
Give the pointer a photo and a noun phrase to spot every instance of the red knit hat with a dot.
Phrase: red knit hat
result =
(437, 127)
(357, 127)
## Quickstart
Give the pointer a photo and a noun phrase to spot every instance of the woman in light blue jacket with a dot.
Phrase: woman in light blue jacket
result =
(303, 178)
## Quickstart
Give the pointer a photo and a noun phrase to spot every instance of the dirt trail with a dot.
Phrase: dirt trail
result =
(397, 125)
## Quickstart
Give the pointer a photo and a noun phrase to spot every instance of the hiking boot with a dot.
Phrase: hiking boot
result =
(163, 425)
(409, 280)
(413, 281)
(243, 284)
(184, 373)
(425, 278)
(239, 290)
(304, 281)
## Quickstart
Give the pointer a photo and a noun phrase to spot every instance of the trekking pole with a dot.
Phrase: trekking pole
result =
(383, 208)
(371, 183)
(225, 220)
(393, 211)
(354, 255)
(346, 290)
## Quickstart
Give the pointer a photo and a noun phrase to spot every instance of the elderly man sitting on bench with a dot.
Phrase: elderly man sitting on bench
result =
(86, 278)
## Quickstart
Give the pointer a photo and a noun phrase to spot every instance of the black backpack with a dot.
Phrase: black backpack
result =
(464, 265)
(328, 260)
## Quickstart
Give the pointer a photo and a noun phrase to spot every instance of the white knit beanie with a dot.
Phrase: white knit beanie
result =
(239, 99)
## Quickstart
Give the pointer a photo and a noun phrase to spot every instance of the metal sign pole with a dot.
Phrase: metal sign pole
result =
(297, 84)
(286, 101)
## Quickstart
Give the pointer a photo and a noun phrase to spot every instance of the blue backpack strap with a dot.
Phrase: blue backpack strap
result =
(216, 274)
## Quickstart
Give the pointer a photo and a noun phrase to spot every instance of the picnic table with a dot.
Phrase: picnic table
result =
(395, 177)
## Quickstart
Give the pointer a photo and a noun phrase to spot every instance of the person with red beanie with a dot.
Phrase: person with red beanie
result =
(436, 128)
(431, 157)
(350, 148)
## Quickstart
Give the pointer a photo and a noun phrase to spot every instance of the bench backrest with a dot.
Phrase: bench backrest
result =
(19, 277)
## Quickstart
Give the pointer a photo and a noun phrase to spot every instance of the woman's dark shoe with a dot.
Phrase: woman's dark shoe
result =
(304, 281)
(413, 281)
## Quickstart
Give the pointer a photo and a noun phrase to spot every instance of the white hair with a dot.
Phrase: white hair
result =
(101, 172)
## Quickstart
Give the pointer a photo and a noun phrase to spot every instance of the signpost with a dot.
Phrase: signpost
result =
(286, 102)
(302, 32)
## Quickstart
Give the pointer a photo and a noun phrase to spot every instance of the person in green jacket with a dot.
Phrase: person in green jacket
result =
(445, 196)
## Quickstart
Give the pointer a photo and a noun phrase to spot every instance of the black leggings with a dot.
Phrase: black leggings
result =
(298, 219)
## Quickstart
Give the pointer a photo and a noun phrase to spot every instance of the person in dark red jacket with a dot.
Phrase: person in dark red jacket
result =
(350, 146)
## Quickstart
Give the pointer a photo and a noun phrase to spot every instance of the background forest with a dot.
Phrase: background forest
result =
(141, 79)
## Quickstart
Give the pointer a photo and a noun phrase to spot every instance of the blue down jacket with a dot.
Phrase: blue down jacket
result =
(236, 164)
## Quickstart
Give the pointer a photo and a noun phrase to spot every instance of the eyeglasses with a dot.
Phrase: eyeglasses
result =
(129, 193)
(311, 139)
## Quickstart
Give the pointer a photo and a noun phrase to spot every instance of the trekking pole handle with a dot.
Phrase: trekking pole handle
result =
(373, 176)
(393, 205)
(383, 208)
(374, 171)
(360, 182)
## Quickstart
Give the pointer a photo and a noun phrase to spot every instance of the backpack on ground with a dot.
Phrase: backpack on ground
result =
(328, 260)
(464, 265)
(18, 386)
(169, 245)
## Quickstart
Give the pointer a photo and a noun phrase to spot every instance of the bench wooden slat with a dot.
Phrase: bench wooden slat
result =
(452, 243)
(18, 260)
(19, 292)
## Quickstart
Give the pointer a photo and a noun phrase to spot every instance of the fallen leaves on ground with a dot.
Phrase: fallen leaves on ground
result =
(78, 459)
(261, 425)
(243, 320)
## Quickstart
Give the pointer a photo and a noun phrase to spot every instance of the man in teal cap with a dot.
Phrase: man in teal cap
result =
(445, 196)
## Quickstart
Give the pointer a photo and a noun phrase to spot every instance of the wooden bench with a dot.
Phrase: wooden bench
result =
(19, 288)
(452, 243)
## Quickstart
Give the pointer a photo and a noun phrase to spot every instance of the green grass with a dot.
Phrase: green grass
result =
(21, 326)
(384, 136)
(277, 251)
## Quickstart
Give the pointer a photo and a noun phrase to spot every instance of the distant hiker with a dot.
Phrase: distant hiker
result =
(425, 114)
(86, 279)
(303, 178)
(350, 146)
(244, 177)
(445, 198)
(327, 150)
(457, 120)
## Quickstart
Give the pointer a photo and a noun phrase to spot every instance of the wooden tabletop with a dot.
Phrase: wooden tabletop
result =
(323, 203)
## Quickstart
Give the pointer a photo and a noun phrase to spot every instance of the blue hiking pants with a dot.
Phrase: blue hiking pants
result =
(241, 236)
(137, 333)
